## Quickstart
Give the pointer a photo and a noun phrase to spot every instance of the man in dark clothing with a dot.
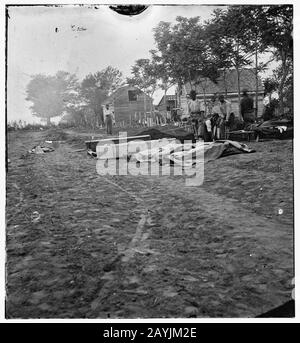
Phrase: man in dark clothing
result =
(224, 115)
(109, 117)
(247, 108)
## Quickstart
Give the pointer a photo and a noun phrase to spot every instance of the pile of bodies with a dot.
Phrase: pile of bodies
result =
(277, 128)
(173, 152)
(169, 151)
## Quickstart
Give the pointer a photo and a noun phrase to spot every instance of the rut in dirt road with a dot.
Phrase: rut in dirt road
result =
(138, 242)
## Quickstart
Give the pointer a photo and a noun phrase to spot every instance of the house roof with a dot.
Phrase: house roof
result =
(168, 97)
(247, 81)
(118, 92)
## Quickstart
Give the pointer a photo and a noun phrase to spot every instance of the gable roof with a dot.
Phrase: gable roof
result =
(247, 81)
(168, 97)
(119, 91)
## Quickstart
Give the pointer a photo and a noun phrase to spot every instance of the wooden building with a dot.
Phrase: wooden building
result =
(228, 86)
(169, 105)
(128, 100)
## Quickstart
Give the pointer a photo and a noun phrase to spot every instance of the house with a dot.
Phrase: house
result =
(228, 85)
(169, 105)
(128, 100)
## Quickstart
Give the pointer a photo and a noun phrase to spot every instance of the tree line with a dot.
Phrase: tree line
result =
(186, 51)
(78, 102)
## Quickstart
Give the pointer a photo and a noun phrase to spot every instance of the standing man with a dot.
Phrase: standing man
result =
(213, 116)
(247, 108)
(268, 109)
(224, 115)
(108, 118)
(196, 111)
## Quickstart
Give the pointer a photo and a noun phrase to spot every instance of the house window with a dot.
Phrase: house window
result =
(132, 95)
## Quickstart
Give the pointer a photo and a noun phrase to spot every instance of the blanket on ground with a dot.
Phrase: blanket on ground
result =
(275, 128)
(178, 133)
(189, 154)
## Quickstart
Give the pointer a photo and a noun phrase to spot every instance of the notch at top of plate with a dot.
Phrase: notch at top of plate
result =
(130, 10)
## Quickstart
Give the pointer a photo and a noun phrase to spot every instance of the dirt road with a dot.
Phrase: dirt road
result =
(81, 245)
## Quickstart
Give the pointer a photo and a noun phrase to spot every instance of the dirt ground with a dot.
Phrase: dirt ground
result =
(81, 245)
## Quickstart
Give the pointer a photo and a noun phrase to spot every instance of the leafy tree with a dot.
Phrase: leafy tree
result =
(254, 30)
(109, 79)
(144, 76)
(240, 34)
(75, 117)
(286, 97)
(268, 29)
(270, 85)
(167, 51)
(162, 75)
(221, 48)
(183, 50)
(278, 34)
(92, 96)
(228, 34)
(51, 96)
(96, 87)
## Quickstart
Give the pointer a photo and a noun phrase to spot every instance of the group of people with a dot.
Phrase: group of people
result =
(209, 120)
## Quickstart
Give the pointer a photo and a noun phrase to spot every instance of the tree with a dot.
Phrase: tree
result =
(144, 76)
(92, 96)
(253, 42)
(229, 42)
(172, 42)
(164, 79)
(96, 87)
(201, 59)
(240, 34)
(278, 34)
(51, 96)
(221, 48)
(184, 51)
(109, 79)
(270, 85)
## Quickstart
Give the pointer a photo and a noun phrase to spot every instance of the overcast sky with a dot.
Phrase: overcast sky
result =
(34, 46)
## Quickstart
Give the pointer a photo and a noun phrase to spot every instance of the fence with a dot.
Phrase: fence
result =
(155, 118)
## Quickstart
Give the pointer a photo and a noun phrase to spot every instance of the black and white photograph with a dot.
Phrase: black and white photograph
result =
(149, 161)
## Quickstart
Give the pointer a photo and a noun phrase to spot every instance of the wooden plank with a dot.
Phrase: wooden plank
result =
(93, 143)
(145, 137)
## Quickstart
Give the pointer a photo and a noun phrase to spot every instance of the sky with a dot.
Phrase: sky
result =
(45, 39)
(35, 47)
